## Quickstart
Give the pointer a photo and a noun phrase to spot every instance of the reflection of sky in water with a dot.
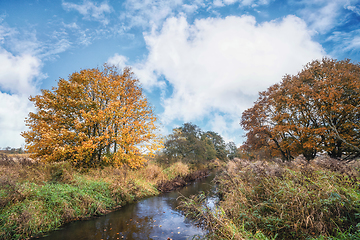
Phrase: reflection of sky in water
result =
(151, 218)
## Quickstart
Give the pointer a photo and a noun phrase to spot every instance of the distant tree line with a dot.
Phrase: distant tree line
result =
(10, 150)
(189, 143)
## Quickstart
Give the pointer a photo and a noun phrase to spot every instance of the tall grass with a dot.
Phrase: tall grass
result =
(36, 198)
(283, 201)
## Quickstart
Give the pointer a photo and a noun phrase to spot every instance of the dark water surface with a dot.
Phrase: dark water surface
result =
(150, 218)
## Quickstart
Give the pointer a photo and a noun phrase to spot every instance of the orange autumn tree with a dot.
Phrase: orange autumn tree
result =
(262, 130)
(94, 118)
(317, 110)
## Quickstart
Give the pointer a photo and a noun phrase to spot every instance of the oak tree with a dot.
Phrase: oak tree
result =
(314, 111)
(95, 117)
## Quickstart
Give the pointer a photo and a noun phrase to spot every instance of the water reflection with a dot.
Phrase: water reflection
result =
(151, 218)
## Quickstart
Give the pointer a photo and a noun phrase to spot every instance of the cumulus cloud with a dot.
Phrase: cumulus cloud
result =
(90, 10)
(220, 65)
(227, 125)
(17, 82)
(13, 111)
(17, 73)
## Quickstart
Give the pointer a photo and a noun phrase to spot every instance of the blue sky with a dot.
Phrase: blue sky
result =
(201, 61)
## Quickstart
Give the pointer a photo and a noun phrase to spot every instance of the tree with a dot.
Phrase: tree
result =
(260, 122)
(334, 90)
(190, 143)
(185, 144)
(232, 150)
(316, 110)
(94, 118)
(218, 144)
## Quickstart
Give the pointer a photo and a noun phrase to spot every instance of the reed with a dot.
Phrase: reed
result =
(282, 200)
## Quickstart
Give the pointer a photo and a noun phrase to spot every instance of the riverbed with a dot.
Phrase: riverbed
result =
(151, 218)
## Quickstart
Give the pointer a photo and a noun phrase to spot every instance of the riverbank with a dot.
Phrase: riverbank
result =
(37, 198)
(276, 200)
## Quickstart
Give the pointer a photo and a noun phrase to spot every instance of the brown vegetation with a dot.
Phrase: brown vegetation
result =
(291, 200)
(30, 190)
(315, 111)
(181, 181)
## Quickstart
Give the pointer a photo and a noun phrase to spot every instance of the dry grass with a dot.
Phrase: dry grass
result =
(177, 169)
(30, 190)
(293, 200)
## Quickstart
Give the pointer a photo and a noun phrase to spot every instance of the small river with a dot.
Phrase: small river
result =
(150, 218)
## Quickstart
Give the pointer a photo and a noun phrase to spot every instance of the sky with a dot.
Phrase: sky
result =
(200, 61)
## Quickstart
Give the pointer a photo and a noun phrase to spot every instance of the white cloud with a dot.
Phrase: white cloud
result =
(5, 32)
(149, 12)
(118, 61)
(226, 125)
(218, 3)
(229, 1)
(152, 13)
(323, 15)
(252, 3)
(58, 46)
(17, 82)
(23, 42)
(190, 8)
(324, 18)
(353, 9)
(345, 42)
(219, 65)
(354, 43)
(13, 111)
(18, 72)
(90, 10)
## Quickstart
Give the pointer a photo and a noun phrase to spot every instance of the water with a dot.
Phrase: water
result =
(150, 218)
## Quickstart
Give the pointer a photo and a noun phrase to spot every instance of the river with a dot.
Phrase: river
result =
(150, 218)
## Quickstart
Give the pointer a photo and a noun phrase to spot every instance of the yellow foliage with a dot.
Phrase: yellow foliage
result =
(94, 118)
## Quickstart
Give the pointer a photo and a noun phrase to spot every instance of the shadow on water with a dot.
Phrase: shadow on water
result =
(150, 218)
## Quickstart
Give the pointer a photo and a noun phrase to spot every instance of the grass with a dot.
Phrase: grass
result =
(36, 198)
(267, 200)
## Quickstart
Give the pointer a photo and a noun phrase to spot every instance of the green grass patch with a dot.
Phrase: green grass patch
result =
(37, 198)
